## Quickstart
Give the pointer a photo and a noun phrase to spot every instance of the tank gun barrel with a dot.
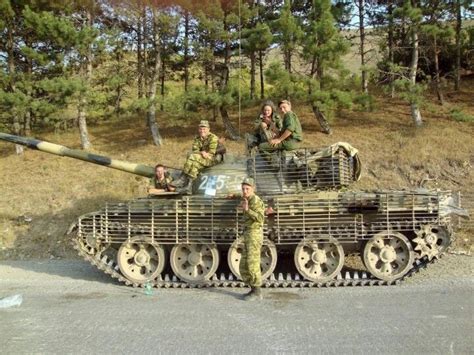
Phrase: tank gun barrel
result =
(56, 149)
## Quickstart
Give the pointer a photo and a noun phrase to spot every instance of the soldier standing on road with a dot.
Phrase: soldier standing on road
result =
(291, 133)
(202, 156)
(253, 212)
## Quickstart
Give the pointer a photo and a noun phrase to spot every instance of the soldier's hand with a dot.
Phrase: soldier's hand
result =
(205, 155)
(269, 211)
(245, 204)
(275, 141)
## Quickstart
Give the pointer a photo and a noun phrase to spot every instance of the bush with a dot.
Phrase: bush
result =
(459, 115)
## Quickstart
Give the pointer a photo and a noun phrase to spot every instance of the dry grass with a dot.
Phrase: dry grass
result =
(42, 194)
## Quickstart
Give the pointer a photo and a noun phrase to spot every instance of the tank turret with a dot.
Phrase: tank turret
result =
(57, 149)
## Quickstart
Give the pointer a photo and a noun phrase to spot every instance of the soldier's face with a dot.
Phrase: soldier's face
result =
(267, 111)
(160, 172)
(247, 191)
(284, 108)
(203, 132)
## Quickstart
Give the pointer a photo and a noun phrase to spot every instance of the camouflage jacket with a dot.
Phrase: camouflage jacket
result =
(254, 216)
(162, 184)
(208, 144)
(292, 123)
(265, 135)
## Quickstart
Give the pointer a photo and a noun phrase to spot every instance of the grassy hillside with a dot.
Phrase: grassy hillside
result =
(41, 194)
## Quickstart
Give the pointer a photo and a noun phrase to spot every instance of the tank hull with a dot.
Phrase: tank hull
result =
(385, 226)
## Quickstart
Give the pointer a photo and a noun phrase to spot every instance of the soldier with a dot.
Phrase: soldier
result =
(290, 135)
(253, 212)
(161, 182)
(267, 126)
(202, 156)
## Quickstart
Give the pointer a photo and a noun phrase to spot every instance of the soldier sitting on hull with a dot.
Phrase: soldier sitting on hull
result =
(203, 155)
(267, 126)
(161, 182)
(290, 135)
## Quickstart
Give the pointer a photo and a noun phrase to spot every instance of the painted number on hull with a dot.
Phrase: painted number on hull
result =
(218, 182)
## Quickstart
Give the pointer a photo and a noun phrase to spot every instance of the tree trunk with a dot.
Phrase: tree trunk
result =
(152, 80)
(415, 111)
(229, 128)
(29, 73)
(186, 51)
(323, 122)
(139, 57)
(262, 83)
(11, 71)
(457, 74)
(365, 89)
(437, 78)
(390, 49)
(118, 100)
(145, 50)
(252, 75)
(86, 75)
(162, 85)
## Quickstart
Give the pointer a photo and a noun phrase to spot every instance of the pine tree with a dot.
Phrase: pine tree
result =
(322, 48)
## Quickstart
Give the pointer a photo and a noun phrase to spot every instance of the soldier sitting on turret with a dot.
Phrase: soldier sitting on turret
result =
(203, 155)
(161, 182)
(290, 134)
(267, 126)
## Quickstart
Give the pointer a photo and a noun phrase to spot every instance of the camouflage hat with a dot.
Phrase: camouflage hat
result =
(248, 181)
(204, 123)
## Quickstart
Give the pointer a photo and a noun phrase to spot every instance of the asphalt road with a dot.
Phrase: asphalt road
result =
(69, 307)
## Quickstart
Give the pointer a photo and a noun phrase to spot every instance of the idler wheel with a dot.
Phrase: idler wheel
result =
(431, 241)
(92, 243)
(388, 255)
(268, 257)
(194, 262)
(141, 260)
(319, 260)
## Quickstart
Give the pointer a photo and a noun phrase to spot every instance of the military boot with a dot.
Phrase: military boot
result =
(187, 187)
(254, 294)
(180, 181)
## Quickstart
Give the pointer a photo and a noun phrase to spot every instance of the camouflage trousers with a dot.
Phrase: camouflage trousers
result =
(249, 266)
(287, 144)
(195, 164)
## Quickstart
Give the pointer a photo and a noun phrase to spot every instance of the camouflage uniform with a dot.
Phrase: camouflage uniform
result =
(162, 184)
(292, 124)
(253, 237)
(195, 162)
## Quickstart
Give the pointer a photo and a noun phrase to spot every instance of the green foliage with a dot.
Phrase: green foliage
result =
(365, 102)
(413, 94)
(459, 115)
(288, 31)
(284, 83)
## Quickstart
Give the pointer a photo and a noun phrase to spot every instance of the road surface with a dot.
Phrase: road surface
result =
(70, 307)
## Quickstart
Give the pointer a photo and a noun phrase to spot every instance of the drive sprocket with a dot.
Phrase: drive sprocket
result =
(431, 241)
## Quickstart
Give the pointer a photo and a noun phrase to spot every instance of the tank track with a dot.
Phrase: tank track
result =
(347, 278)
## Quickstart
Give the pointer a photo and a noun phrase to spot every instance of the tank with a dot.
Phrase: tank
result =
(315, 225)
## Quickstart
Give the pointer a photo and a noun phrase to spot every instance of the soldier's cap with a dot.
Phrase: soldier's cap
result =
(249, 181)
(204, 123)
